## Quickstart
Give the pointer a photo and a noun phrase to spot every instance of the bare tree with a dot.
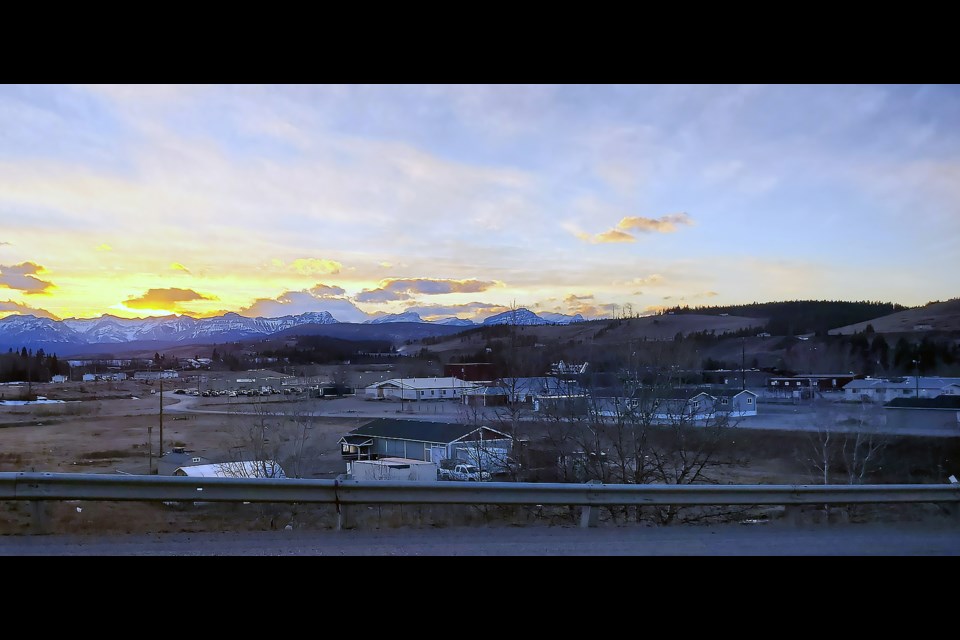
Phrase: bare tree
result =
(647, 434)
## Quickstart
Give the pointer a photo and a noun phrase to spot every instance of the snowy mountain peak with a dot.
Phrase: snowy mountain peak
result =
(455, 321)
(520, 316)
(409, 316)
(560, 318)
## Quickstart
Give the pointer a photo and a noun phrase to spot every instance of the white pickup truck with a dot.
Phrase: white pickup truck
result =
(463, 471)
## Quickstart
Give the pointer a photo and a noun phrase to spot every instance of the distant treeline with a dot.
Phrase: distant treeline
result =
(25, 365)
(326, 350)
(801, 316)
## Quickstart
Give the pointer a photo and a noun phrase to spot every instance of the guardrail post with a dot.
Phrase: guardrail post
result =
(589, 515)
(39, 518)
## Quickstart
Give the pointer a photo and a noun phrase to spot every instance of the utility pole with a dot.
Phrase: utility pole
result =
(916, 364)
(161, 412)
(743, 361)
(150, 449)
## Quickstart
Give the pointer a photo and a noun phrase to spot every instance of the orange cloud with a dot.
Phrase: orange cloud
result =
(168, 299)
(664, 224)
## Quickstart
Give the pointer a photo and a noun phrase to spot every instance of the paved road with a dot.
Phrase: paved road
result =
(904, 539)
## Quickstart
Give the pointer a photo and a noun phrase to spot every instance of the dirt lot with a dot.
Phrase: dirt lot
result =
(103, 429)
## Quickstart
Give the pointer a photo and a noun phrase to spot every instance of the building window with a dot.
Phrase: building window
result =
(724, 401)
(749, 400)
(774, 383)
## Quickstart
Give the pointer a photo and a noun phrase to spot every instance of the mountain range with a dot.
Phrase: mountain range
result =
(17, 331)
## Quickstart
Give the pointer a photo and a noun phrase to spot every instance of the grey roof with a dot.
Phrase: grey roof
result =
(542, 385)
(683, 394)
(182, 459)
(420, 430)
(730, 393)
(909, 382)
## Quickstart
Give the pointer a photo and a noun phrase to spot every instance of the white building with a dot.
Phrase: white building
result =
(156, 375)
(238, 469)
(401, 469)
(886, 389)
(419, 389)
(58, 378)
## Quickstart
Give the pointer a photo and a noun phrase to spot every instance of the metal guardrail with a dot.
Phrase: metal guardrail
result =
(67, 486)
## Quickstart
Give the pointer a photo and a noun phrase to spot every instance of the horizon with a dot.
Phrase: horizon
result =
(460, 201)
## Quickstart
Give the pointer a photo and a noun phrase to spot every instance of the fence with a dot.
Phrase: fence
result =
(40, 487)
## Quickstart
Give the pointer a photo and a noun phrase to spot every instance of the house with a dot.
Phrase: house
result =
(58, 379)
(739, 404)
(887, 389)
(490, 396)
(418, 389)
(822, 382)
(523, 391)
(941, 413)
(178, 457)
(678, 406)
(417, 440)
(235, 469)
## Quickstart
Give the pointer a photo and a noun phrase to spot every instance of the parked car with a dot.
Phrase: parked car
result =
(451, 469)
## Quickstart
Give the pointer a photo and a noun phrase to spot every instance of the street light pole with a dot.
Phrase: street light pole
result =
(916, 364)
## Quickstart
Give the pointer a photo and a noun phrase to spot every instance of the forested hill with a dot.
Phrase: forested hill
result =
(802, 316)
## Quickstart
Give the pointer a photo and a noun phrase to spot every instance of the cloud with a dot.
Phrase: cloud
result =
(392, 289)
(321, 290)
(573, 298)
(321, 297)
(103, 247)
(168, 299)
(378, 296)
(471, 310)
(651, 280)
(663, 224)
(176, 266)
(22, 309)
(613, 235)
(20, 277)
(4, 243)
(310, 266)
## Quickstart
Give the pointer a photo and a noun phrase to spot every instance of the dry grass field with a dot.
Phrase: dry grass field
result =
(107, 433)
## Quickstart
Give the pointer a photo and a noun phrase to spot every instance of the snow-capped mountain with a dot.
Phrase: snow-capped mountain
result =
(19, 329)
(560, 318)
(517, 317)
(455, 321)
(409, 316)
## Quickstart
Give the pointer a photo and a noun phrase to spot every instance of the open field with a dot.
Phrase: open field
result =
(108, 434)
(939, 316)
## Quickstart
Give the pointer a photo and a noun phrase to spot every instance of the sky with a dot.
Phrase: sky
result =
(468, 200)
